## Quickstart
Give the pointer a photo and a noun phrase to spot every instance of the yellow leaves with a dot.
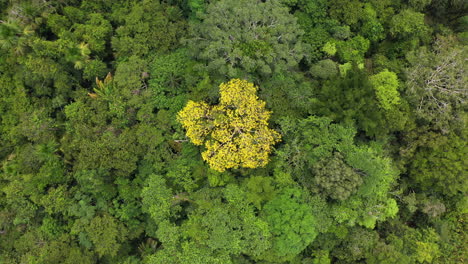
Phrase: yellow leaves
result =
(84, 49)
(107, 81)
(194, 118)
(93, 95)
(237, 92)
(235, 132)
(84, 52)
(104, 88)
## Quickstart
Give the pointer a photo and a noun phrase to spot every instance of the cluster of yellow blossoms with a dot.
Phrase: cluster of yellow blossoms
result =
(235, 132)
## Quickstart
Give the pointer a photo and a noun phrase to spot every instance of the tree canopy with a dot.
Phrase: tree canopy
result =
(247, 36)
(233, 131)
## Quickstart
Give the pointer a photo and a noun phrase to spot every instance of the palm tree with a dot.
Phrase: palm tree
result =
(9, 34)
(13, 37)
(78, 55)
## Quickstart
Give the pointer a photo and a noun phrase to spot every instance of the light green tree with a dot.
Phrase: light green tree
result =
(386, 85)
(292, 225)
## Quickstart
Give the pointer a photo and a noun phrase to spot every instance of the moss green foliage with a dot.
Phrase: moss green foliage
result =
(148, 27)
(353, 50)
(105, 234)
(334, 179)
(369, 98)
(324, 69)
(352, 99)
(446, 153)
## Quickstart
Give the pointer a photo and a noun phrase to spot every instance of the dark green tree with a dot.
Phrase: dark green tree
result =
(334, 178)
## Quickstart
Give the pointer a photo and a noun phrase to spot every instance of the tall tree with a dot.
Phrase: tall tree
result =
(235, 132)
(150, 26)
(247, 36)
(437, 84)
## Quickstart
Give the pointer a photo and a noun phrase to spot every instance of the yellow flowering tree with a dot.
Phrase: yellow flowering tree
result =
(235, 132)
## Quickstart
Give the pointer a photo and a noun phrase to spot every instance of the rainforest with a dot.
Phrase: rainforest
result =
(233, 131)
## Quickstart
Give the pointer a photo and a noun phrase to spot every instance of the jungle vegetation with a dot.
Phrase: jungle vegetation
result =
(233, 131)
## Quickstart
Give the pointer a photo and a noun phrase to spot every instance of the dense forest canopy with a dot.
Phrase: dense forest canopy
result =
(233, 131)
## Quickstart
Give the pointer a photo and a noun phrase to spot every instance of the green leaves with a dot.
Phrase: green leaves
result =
(259, 190)
(408, 24)
(158, 199)
(353, 50)
(100, 171)
(148, 28)
(386, 88)
(106, 233)
(169, 79)
(310, 157)
(352, 99)
(221, 223)
(446, 152)
(334, 178)
(246, 37)
(324, 69)
(292, 225)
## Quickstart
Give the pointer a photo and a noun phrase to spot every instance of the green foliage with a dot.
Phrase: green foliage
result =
(329, 48)
(105, 233)
(197, 7)
(315, 37)
(373, 30)
(259, 189)
(348, 12)
(221, 224)
(95, 32)
(247, 36)
(283, 88)
(292, 224)
(314, 140)
(353, 50)
(93, 69)
(317, 9)
(386, 88)
(419, 5)
(324, 69)
(351, 99)
(407, 245)
(148, 27)
(408, 24)
(95, 182)
(335, 179)
(453, 235)
(447, 153)
(357, 245)
(169, 80)
(96, 168)
(158, 199)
